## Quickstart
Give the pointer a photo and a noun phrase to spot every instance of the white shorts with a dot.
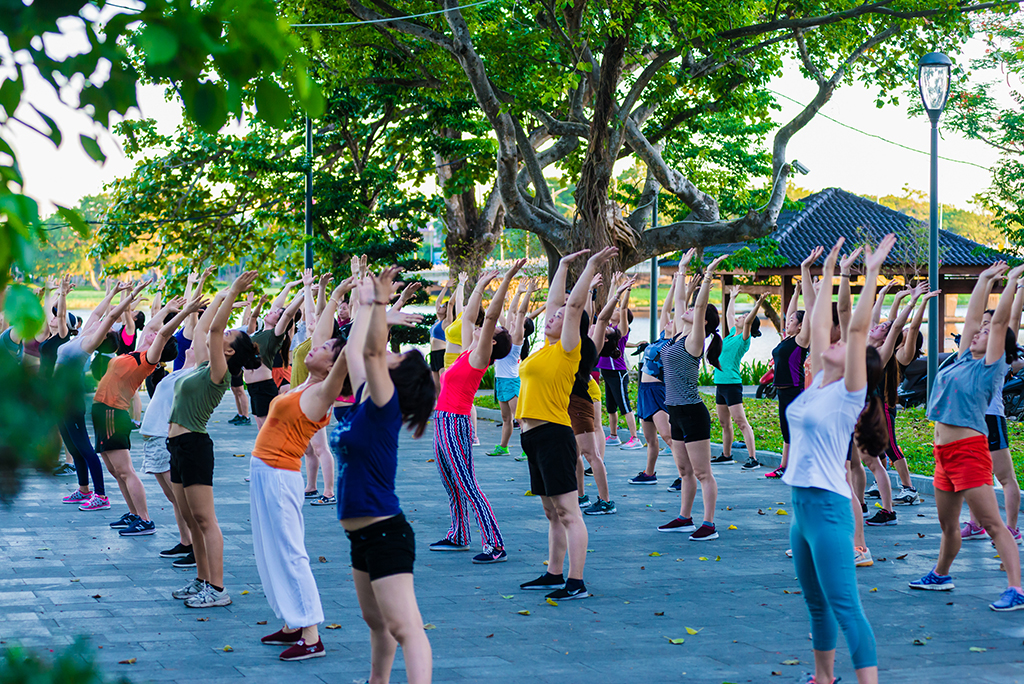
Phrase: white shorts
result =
(155, 456)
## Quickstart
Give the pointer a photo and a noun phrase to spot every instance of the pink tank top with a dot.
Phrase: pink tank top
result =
(459, 385)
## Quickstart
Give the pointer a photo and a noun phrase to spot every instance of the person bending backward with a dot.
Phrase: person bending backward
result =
(728, 383)
(260, 380)
(506, 370)
(822, 420)
(452, 434)
(276, 495)
(442, 311)
(615, 372)
(391, 389)
(688, 416)
(547, 436)
(453, 329)
(789, 356)
(196, 395)
(73, 356)
(963, 465)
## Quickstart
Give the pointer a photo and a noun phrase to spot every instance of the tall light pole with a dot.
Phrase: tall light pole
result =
(309, 194)
(654, 278)
(933, 79)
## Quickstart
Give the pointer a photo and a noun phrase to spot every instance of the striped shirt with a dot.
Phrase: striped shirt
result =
(682, 370)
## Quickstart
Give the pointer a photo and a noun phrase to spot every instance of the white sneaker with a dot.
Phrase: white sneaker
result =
(208, 598)
(634, 444)
(907, 497)
(872, 492)
(189, 590)
(612, 440)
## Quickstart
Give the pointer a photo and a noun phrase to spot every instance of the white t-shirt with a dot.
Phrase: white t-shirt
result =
(508, 367)
(158, 413)
(821, 422)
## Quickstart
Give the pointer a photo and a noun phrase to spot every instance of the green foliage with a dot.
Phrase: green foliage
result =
(73, 664)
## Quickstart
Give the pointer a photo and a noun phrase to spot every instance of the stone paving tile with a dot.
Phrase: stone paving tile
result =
(736, 598)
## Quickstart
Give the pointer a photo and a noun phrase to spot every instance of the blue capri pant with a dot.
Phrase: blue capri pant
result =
(822, 539)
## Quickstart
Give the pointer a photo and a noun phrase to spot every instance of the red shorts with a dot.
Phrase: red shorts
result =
(283, 376)
(963, 464)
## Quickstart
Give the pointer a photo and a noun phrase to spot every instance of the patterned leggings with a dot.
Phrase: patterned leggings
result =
(454, 457)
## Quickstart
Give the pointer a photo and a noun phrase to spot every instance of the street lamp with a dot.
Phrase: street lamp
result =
(933, 80)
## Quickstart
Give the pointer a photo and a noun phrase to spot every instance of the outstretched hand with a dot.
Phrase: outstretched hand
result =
(814, 255)
(850, 259)
(874, 260)
(243, 282)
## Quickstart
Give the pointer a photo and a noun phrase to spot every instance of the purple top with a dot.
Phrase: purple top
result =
(608, 363)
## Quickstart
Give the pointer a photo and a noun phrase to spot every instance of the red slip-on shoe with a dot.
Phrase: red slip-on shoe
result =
(303, 651)
(282, 638)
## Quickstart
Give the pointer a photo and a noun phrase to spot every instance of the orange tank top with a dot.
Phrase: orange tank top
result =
(285, 435)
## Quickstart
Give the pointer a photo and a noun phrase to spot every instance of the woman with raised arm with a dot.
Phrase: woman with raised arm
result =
(547, 437)
(615, 372)
(688, 416)
(260, 380)
(442, 307)
(822, 420)
(453, 440)
(391, 390)
(218, 353)
(506, 370)
(728, 383)
(453, 331)
(960, 396)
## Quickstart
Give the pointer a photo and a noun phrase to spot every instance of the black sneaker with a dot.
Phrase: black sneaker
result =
(139, 528)
(882, 517)
(494, 556)
(314, 494)
(178, 551)
(65, 469)
(676, 486)
(544, 582)
(124, 521)
(723, 459)
(234, 421)
(188, 561)
(564, 594)
(448, 545)
(243, 420)
(751, 464)
(589, 472)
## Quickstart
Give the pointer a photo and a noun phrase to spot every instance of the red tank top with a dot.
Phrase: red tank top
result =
(459, 385)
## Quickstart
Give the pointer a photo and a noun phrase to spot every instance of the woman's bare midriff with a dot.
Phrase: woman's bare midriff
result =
(644, 377)
(947, 434)
(173, 430)
(353, 524)
(527, 424)
(258, 375)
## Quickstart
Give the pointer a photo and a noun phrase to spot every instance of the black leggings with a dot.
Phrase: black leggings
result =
(87, 463)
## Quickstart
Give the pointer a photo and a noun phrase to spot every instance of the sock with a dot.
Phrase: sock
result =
(217, 588)
(573, 584)
(707, 524)
(688, 521)
(1018, 590)
(550, 574)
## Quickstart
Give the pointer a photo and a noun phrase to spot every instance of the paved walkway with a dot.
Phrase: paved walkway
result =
(64, 573)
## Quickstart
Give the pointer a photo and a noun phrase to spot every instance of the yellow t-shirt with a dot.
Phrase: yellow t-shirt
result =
(547, 376)
(299, 370)
(453, 333)
(593, 389)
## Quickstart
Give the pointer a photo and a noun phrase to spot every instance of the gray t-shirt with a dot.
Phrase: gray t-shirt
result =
(72, 355)
(995, 407)
(682, 373)
(963, 391)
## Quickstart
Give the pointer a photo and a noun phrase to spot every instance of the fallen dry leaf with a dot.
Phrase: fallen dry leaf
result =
(675, 641)
(96, 596)
(322, 559)
(261, 622)
(920, 536)
(130, 661)
(791, 661)
(776, 673)
(76, 580)
(654, 553)
(760, 512)
(660, 614)
(718, 558)
(430, 460)
(429, 626)
(528, 493)
(917, 642)
(728, 508)
(551, 602)
(703, 558)
(881, 560)
(978, 649)
(732, 527)
(691, 631)
(524, 612)
(333, 625)
(245, 592)
(901, 557)
(239, 455)
(228, 649)
(202, 619)
(545, 562)
(488, 636)
(781, 512)
(506, 597)
(873, 589)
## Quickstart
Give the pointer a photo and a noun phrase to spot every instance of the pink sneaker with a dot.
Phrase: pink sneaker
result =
(972, 530)
(97, 502)
(1016, 534)
(76, 497)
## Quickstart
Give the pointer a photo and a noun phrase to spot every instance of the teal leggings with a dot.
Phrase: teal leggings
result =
(822, 539)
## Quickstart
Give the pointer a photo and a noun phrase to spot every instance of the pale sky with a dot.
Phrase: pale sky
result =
(836, 156)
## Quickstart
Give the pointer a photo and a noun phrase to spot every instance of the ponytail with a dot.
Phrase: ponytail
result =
(247, 354)
(871, 433)
(714, 349)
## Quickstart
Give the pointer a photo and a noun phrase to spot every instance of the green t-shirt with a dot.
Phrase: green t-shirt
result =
(269, 344)
(733, 349)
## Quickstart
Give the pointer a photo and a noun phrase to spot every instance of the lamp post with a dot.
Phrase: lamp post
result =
(654, 278)
(933, 80)
(308, 255)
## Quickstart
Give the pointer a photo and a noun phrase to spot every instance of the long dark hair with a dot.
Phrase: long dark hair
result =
(711, 321)
(502, 344)
(247, 354)
(1011, 340)
(872, 433)
(416, 390)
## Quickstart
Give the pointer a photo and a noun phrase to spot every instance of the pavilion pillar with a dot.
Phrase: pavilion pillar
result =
(788, 290)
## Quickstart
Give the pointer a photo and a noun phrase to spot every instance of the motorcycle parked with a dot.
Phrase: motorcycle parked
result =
(766, 386)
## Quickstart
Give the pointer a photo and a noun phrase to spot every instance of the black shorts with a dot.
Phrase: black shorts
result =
(616, 395)
(998, 437)
(690, 423)
(191, 459)
(786, 397)
(437, 360)
(113, 428)
(384, 548)
(260, 395)
(551, 454)
(729, 395)
(236, 380)
(893, 451)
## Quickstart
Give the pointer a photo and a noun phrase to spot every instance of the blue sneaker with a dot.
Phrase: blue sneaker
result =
(124, 521)
(933, 582)
(1011, 599)
(138, 528)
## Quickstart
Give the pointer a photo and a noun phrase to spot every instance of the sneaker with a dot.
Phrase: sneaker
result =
(493, 556)
(908, 496)
(190, 589)
(521, 457)
(811, 680)
(862, 557)
(863, 509)
(1011, 599)
(882, 517)
(1015, 533)
(139, 528)
(872, 492)
(705, 532)
(303, 651)
(64, 469)
(544, 582)
(124, 521)
(564, 594)
(676, 486)
(498, 451)
(244, 420)
(584, 500)
(234, 421)
(96, 502)
(188, 561)
(789, 553)
(282, 638)
(633, 444)
(208, 598)
(933, 582)
(643, 478)
(324, 500)
(722, 460)
(588, 471)
(751, 464)
(312, 494)
(448, 545)
(179, 550)
(601, 507)
(76, 497)
(776, 474)
(678, 525)
(476, 441)
(515, 424)
(612, 440)
(972, 530)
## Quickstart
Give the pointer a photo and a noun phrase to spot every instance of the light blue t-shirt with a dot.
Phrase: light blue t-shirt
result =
(733, 349)
(963, 391)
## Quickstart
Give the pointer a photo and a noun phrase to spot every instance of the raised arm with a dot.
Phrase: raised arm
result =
(906, 353)
(321, 293)
(730, 309)
(556, 286)
(102, 308)
(282, 323)
(573, 312)
(748, 322)
(682, 290)
(317, 400)
(94, 338)
(695, 340)
(818, 318)
(63, 290)
(460, 294)
(978, 303)
(472, 310)
(604, 317)
(856, 374)
(996, 347)
(518, 330)
(624, 308)
(218, 364)
(894, 309)
(166, 331)
(876, 312)
(666, 310)
(885, 352)
(282, 296)
(843, 304)
(369, 341)
(803, 338)
(480, 357)
(254, 318)
(308, 301)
